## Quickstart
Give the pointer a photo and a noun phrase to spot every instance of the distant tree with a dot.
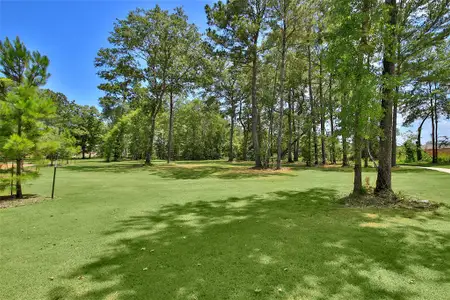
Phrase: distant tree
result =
(238, 27)
(23, 106)
(148, 56)
(87, 129)
(24, 109)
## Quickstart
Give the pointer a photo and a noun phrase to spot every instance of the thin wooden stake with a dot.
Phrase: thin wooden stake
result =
(54, 179)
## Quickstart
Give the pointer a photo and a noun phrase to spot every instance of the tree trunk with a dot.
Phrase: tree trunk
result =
(169, 143)
(313, 115)
(244, 128)
(282, 76)
(333, 144)
(357, 182)
(322, 115)
(366, 155)
(233, 112)
(296, 150)
(433, 149)
(290, 127)
(418, 143)
(245, 145)
(255, 105)
(295, 129)
(394, 134)
(384, 183)
(269, 146)
(12, 178)
(436, 118)
(19, 194)
(344, 151)
(149, 151)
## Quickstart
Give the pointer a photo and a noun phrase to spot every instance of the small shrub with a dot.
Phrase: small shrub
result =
(368, 189)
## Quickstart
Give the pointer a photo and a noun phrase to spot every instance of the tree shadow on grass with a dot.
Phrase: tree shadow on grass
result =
(365, 170)
(122, 167)
(285, 245)
(180, 172)
(213, 171)
(192, 170)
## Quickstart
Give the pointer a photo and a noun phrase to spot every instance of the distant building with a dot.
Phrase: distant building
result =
(442, 149)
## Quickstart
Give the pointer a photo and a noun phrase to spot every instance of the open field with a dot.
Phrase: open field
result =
(213, 230)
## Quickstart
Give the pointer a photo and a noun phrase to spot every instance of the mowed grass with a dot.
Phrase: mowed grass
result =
(213, 230)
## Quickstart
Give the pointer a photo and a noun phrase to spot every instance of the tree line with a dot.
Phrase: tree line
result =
(268, 81)
(318, 80)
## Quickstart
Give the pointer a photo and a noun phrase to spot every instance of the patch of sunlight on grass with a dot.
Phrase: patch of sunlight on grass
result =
(213, 230)
(374, 225)
(310, 288)
(371, 216)
(339, 244)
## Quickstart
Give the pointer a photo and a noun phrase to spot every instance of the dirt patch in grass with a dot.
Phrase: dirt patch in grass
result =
(187, 166)
(331, 166)
(8, 167)
(8, 201)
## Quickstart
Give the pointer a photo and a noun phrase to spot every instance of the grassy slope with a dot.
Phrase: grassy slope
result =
(215, 231)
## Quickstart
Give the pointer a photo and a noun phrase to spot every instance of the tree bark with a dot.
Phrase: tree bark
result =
(357, 179)
(344, 151)
(149, 151)
(233, 116)
(330, 107)
(244, 128)
(290, 127)
(294, 128)
(311, 101)
(255, 104)
(245, 145)
(282, 77)
(384, 183)
(19, 194)
(418, 142)
(394, 133)
(169, 143)
(322, 115)
(366, 155)
(436, 118)
(433, 148)
(269, 147)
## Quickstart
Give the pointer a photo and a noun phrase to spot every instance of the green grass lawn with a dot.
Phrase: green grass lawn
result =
(213, 230)
(428, 164)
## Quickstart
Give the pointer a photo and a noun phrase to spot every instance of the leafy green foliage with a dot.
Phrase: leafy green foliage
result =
(20, 65)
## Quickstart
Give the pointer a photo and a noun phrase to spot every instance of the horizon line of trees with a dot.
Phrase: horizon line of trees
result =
(268, 81)
(318, 80)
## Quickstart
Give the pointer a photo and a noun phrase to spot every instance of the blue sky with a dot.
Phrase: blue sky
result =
(71, 32)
